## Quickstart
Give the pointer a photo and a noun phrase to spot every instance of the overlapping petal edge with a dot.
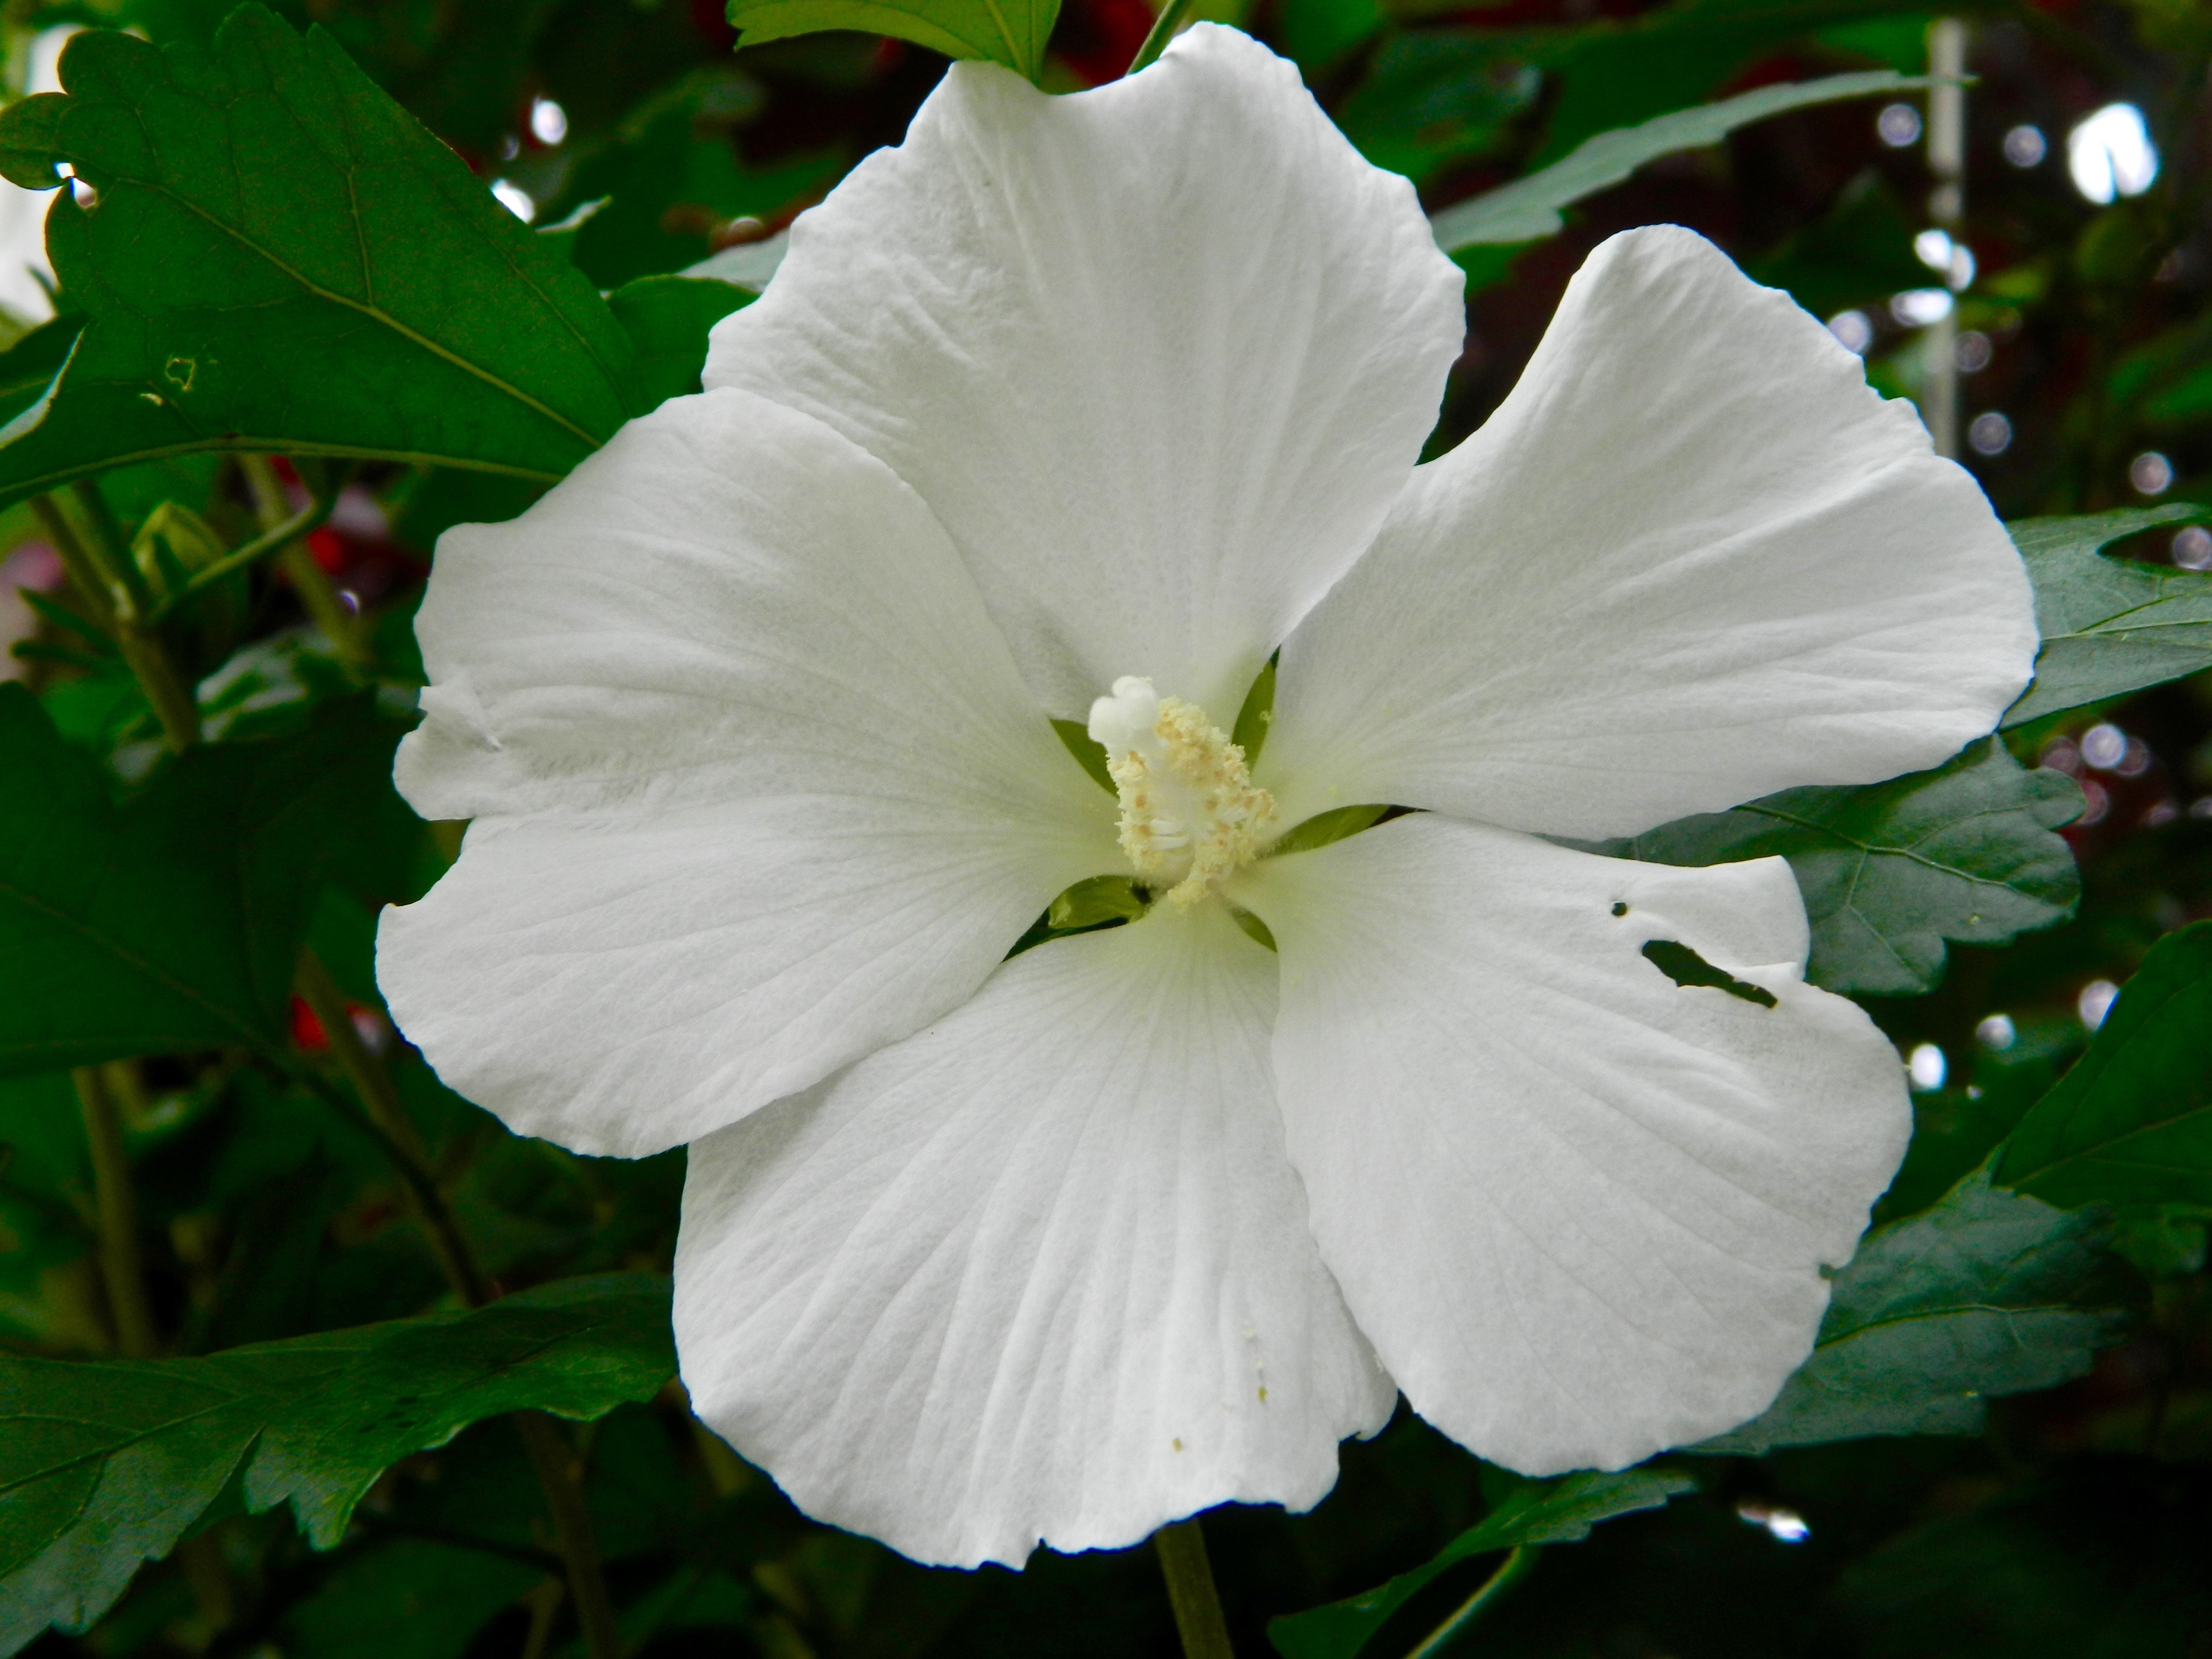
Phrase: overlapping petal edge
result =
(750, 715)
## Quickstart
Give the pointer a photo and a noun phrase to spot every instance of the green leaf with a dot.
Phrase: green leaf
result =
(2131, 1122)
(282, 258)
(2109, 626)
(28, 367)
(172, 923)
(1981, 1294)
(1529, 209)
(669, 318)
(109, 1463)
(1891, 870)
(1538, 1513)
(1009, 32)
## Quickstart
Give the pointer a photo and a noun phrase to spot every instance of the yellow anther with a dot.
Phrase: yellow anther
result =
(1190, 813)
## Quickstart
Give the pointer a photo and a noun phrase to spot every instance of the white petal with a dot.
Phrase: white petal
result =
(1041, 1272)
(1160, 355)
(1691, 560)
(1581, 1211)
(757, 785)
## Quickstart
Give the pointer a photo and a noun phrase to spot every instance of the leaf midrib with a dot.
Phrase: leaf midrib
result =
(379, 314)
(251, 1036)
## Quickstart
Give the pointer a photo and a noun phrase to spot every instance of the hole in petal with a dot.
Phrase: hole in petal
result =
(1688, 969)
(1621, 909)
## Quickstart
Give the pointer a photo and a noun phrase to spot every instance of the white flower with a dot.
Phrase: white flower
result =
(1065, 406)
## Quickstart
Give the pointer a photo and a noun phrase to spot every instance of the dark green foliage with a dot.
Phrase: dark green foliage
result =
(288, 246)
(665, 188)
(367, 298)
(108, 1465)
(1982, 1295)
(1528, 209)
(2109, 626)
(2132, 1122)
(174, 921)
(1009, 32)
(1533, 1512)
(669, 317)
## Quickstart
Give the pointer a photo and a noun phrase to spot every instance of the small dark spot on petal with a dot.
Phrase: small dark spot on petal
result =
(1621, 910)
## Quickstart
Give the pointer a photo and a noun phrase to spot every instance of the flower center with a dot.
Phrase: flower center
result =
(1190, 812)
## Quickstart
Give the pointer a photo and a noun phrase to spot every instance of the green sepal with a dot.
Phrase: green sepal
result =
(1258, 713)
(1090, 754)
(1322, 827)
(1096, 902)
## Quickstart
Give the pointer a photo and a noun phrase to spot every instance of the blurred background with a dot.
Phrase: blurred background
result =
(2045, 285)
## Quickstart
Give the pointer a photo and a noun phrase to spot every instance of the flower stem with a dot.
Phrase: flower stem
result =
(297, 561)
(380, 1099)
(1198, 1618)
(1512, 1572)
(1156, 42)
(101, 570)
(559, 1473)
(309, 518)
(121, 1269)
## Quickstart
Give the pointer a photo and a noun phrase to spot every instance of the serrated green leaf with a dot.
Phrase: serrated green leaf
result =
(669, 317)
(2131, 1122)
(1009, 32)
(109, 1463)
(282, 258)
(1889, 872)
(175, 922)
(1529, 209)
(1983, 1294)
(2109, 626)
(1539, 1512)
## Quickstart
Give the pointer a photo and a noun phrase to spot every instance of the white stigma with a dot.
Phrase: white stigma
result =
(1190, 812)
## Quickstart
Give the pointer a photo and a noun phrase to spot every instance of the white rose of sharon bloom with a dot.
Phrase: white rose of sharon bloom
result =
(1081, 407)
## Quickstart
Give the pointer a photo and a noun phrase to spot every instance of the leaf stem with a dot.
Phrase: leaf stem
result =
(308, 520)
(552, 1452)
(1197, 1606)
(403, 1142)
(561, 1472)
(1155, 41)
(102, 574)
(1515, 1569)
(122, 1269)
(297, 561)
